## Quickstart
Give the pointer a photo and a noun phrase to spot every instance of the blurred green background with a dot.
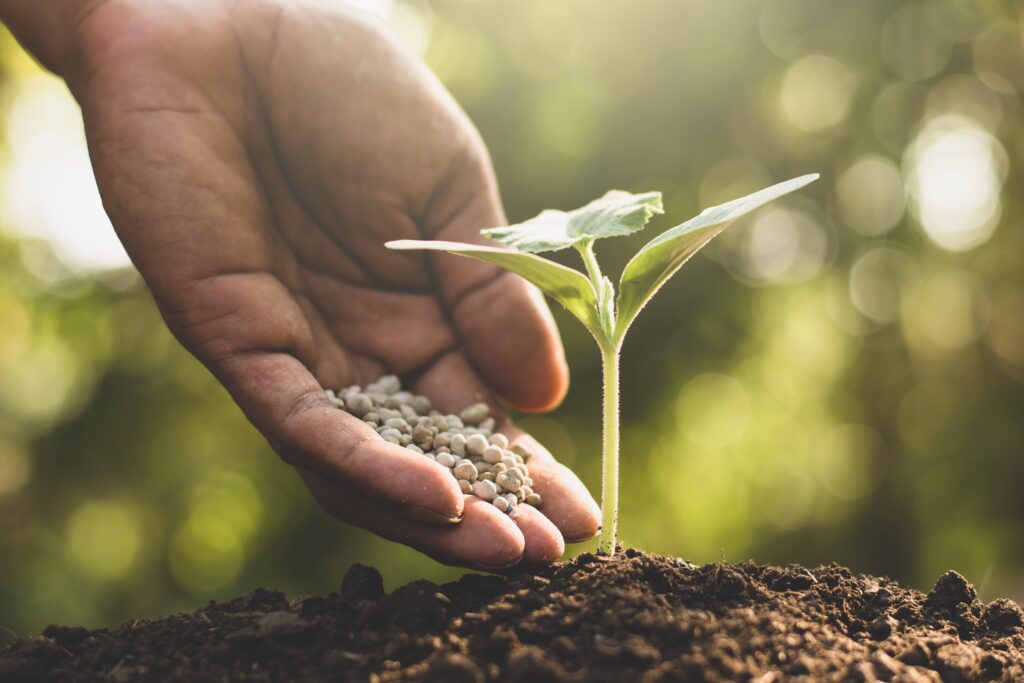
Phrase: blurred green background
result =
(837, 378)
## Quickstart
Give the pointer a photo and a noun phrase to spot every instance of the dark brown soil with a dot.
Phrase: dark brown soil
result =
(636, 617)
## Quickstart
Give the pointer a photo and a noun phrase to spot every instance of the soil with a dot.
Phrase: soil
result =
(634, 617)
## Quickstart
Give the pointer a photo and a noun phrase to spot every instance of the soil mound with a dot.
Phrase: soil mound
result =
(634, 617)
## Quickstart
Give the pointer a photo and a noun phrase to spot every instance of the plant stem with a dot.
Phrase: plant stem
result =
(610, 454)
(604, 292)
(590, 261)
(610, 430)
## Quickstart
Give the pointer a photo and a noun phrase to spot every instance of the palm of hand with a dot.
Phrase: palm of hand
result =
(254, 157)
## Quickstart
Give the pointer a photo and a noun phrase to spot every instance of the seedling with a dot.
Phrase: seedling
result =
(591, 297)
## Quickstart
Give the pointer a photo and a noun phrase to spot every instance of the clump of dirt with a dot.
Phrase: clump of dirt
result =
(634, 617)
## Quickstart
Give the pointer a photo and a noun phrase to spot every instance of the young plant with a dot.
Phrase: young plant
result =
(592, 298)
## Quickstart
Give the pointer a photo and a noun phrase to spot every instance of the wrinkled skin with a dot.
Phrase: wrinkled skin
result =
(254, 156)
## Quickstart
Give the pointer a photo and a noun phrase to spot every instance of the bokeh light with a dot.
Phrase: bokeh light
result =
(714, 410)
(206, 553)
(956, 171)
(911, 46)
(783, 245)
(104, 538)
(877, 280)
(816, 93)
(944, 312)
(870, 195)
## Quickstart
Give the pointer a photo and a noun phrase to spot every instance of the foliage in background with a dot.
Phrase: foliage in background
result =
(852, 393)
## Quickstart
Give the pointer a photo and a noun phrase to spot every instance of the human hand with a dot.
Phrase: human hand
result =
(254, 157)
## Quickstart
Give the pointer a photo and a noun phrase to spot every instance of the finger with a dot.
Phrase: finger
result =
(564, 498)
(484, 539)
(288, 405)
(543, 541)
(451, 384)
(503, 322)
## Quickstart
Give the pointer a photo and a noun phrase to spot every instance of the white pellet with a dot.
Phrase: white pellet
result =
(360, 405)
(476, 444)
(482, 462)
(465, 469)
(388, 384)
(421, 404)
(392, 435)
(474, 414)
(422, 435)
(509, 481)
(492, 454)
(485, 489)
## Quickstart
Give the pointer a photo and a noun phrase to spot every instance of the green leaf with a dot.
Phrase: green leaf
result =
(660, 258)
(565, 285)
(616, 213)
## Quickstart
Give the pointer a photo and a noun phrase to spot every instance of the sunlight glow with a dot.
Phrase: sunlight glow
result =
(956, 171)
(48, 191)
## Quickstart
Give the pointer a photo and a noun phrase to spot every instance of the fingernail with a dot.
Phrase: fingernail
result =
(423, 514)
(580, 539)
(496, 567)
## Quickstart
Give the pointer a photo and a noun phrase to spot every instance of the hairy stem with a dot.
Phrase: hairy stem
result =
(590, 261)
(610, 454)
